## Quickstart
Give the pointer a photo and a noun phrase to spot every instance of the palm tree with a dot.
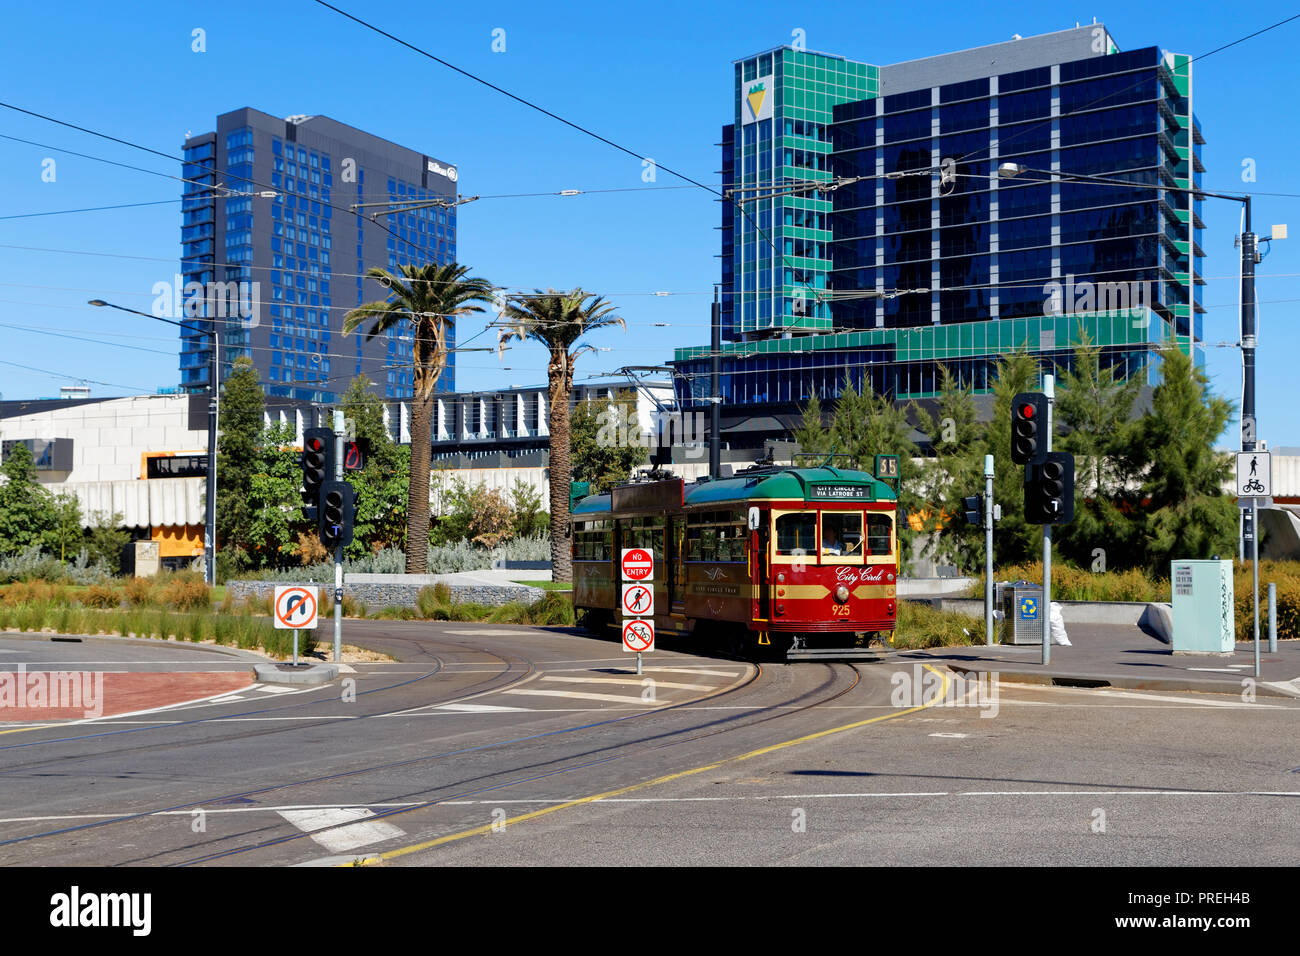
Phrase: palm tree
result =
(556, 320)
(431, 299)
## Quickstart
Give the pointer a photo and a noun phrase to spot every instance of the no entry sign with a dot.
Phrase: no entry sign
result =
(295, 607)
(638, 565)
(638, 635)
(638, 600)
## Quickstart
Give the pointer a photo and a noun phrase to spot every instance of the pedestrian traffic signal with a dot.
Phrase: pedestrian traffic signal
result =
(974, 508)
(317, 465)
(1029, 428)
(337, 508)
(1049, 490)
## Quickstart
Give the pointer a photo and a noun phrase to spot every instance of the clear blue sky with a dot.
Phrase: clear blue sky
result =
(654, 77)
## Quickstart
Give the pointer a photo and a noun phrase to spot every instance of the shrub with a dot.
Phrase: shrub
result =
(397, 613)
(920, 625)
(185, 591)
(35, 592)
(427, 601)
(352, 607)
(139, 591)
(553, 609)
(102, 596)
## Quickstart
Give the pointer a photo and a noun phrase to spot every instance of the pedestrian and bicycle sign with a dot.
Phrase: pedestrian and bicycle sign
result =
(638, 635)
(1254, 474)
(638, 565)
(295, 607)
(638, 600)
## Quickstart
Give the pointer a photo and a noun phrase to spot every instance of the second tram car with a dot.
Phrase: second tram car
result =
(801, 557)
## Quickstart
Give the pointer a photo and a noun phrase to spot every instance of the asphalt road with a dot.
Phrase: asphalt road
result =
(492, 745)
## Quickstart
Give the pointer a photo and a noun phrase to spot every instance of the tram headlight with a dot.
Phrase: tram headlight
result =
(889, 608)
(842, 594)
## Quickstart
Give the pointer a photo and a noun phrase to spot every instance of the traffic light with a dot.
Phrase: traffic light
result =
(974, 508)
(336, 511)
(1028, 428)
(317, 465)
(1049, 490)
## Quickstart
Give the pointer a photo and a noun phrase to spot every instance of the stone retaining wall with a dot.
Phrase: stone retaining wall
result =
(378, 596)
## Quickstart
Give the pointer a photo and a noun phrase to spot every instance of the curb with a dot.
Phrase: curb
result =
(285, 674)
(1062, 679)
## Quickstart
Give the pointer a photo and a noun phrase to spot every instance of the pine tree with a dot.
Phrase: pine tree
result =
(866, 425)
(237, 457)
(1094, 409)
(1014, 541)
(811, 434)
(955, 472)
(1188, 513)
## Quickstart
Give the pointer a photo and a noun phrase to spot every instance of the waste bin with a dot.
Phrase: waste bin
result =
(1022, 613)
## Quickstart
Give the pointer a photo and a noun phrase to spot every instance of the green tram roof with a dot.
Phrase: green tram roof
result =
(789, 484)
(783, 484)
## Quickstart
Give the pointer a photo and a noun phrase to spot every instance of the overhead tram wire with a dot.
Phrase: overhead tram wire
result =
(572, 125)
(1111, 96)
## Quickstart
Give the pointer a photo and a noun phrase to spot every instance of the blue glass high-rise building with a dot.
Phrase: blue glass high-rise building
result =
(298, 260)
(909, 267)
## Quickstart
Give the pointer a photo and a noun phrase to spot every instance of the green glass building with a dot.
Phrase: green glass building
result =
(924, 255)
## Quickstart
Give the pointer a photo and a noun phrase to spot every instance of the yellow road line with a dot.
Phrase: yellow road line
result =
(582, 801)
(19, 730)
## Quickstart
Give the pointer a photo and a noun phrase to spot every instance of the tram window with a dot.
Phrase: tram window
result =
(796, 531)
(842, 534)
(879, 534)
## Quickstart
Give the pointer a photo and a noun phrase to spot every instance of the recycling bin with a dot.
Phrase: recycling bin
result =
(1022, 613)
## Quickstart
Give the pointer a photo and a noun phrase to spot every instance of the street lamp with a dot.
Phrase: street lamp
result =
(1249, 243)
(210, 505)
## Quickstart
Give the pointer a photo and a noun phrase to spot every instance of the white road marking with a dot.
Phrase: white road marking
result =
(694, 670)
(337, 830)
(274, 689)
(224, 700)
(1217, 670)
(482, 708)
(206, 810)
(959, 736)
(634, 681)
(895, 795)
(576, 695)
(1177, 700)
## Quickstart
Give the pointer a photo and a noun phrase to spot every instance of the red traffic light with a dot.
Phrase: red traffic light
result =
(1027, 411)
(314, 444)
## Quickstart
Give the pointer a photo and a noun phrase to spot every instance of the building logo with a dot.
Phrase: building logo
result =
(448, 171)
(758, 102)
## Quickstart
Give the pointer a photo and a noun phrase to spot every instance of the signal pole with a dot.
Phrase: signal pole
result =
(1049, 389)
(988, 550)
(338, 547)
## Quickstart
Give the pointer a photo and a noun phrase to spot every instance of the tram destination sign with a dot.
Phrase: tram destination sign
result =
(842, 492)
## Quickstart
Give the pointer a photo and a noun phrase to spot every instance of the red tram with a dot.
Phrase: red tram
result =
(801, 557)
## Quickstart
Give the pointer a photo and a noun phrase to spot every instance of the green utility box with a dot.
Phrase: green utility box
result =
(1203, 607)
